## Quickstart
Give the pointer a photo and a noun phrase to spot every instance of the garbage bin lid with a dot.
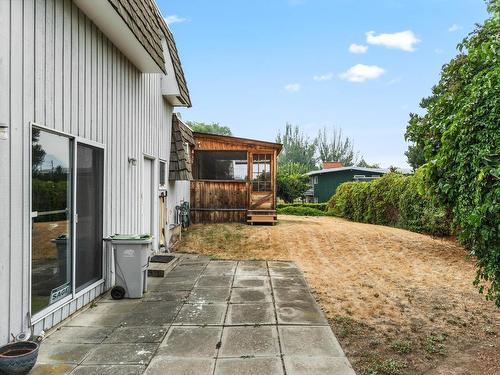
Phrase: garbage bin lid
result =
(131, 237)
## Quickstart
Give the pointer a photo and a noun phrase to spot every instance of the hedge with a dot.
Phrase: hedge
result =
(300, 211)
(317, 206)
(394, 200)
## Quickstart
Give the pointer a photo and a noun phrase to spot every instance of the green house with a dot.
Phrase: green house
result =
(325, 181)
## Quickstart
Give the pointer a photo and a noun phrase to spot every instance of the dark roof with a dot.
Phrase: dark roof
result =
(149, 27)
(180, 166)
(230, 138)
(360, 169)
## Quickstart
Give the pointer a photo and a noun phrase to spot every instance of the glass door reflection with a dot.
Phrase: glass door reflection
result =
(51, 262)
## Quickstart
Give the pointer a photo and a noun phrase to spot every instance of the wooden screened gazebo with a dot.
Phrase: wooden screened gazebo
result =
(234, 179)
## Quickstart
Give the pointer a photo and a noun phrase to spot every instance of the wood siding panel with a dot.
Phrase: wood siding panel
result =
(63, 73)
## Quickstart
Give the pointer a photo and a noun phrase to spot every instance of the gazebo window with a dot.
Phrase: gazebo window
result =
(261, 178)
(221, 165)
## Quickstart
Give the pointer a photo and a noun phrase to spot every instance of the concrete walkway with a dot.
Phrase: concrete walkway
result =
(204, 318)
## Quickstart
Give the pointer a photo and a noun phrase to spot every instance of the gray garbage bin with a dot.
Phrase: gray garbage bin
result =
(131, 253)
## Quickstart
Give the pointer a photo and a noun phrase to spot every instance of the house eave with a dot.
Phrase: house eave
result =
(118, 32)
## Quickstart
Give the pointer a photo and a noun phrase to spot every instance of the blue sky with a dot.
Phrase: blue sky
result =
(255, 65)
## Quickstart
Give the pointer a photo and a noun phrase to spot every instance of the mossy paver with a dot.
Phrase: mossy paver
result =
(204, 318)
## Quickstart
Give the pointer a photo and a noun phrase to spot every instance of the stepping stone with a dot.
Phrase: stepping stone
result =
(249, 341)
(201, 314)
(63, 353)
(250, 295)
(294, 282)
(57, 369)
(124, 335)
(250, 314)
(317, 365)
(78, 335)
(249, 366)
(173, 295)
(119, 354)
(152, 314)
(214, 281)
(161, 365)
(293, 295)
(109, 370)
(300, 313)
(251, 282)
(209, 295)
(319, 341)
(193, 342)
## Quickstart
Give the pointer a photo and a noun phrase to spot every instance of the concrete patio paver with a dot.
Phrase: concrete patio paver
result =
(203, 318)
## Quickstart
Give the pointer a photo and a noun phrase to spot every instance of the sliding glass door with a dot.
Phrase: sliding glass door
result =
(89, 182)
(67, 200)
(51, 259)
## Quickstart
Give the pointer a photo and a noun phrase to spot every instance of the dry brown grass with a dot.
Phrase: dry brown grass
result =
(399, 302)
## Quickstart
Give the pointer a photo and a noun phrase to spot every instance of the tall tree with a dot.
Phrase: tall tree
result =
(415, 155)
(297, 147)
(364, 164)
(334, 146)
(213, 128)
(460, 136)
(292, 182)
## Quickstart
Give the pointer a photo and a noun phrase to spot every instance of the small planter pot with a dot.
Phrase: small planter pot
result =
(18, 357)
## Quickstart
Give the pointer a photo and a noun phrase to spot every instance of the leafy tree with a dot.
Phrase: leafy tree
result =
(362, 163)
(213, 128)
(461, 141)
(297, 148)
(37, 152)
(291, 181)
(334, 146)
(415, 153)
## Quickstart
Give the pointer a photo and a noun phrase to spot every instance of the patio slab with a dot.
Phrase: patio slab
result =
(201, 314)
(249, 341)
(123, 335)
(209, 295)
(204, 318)
(249, 366)
(162, 365)
(250, 314)
(193, 342)
(249, 295)
(119, 354)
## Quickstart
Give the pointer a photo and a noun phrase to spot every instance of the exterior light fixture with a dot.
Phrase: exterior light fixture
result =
(4, 131)
(132, 161)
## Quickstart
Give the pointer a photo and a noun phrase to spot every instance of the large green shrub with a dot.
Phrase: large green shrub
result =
(394, 200)
(460, 136)
(300, 211)
(318, 206)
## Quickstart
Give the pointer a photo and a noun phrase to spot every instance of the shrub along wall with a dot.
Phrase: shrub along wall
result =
(394, 200)
(317, 206)
(300, 210)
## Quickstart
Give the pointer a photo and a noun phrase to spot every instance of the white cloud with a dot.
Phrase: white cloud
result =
(358, 48)
(292, 87)
(404, 40)
(361, 73)
(454, 28)
(174, 18)
(323, 77)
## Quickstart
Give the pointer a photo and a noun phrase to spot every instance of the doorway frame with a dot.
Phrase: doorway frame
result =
(40, 315)
(154, 189)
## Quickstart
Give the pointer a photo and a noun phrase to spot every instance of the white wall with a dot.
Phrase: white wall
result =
(178, 192)
(58, 70)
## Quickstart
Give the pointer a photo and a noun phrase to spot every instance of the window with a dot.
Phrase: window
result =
(163, 173)
(221, 165)
(261, 174)
(315, 180)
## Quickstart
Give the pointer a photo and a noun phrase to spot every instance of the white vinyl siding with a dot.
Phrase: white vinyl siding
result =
(58, 70)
